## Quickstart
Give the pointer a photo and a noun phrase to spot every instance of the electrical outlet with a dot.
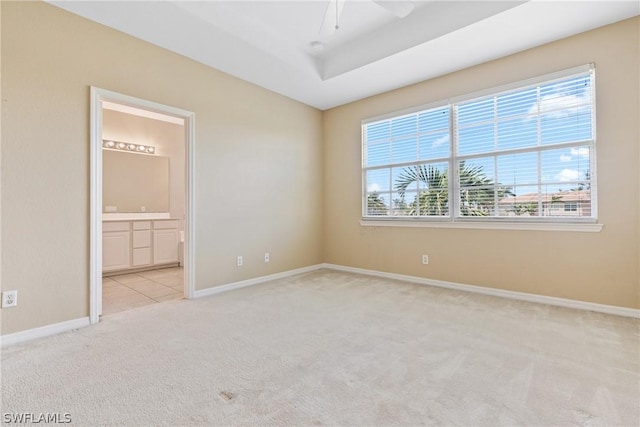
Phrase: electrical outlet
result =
(267, 257)
(425, 259)
(9, 299)
(239, 261)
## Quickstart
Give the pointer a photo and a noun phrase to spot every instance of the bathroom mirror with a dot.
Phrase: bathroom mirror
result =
(134, 182)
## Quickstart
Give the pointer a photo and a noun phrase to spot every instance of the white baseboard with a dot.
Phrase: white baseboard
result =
(69, 325)
(43, 331)
(541, 299)
(250, 282)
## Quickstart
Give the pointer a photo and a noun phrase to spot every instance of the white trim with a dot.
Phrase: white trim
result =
(95, 215)
(489, 225)
(520, 296)
(142, 113)
(189, 245)
(69, 325)
(255, 281)
(43, 331)
(95, 262)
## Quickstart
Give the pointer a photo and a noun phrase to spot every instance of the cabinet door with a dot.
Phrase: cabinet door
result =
(141, 256)
(115, 250)
(165, 246)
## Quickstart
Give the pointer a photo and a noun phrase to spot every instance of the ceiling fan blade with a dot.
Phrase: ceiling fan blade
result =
(399, 8)
(331, 17)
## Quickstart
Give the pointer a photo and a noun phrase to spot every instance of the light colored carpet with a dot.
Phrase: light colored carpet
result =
(332, 348)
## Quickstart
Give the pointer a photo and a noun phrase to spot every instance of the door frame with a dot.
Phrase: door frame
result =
(95, 252)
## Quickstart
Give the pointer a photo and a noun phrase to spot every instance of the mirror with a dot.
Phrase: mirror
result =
(134, 182)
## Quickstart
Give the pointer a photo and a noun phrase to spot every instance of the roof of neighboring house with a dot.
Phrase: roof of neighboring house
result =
(561, 196)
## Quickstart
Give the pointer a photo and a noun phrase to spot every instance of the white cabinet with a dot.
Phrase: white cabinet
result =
(115, 246)
(139, 244)
(166, 239)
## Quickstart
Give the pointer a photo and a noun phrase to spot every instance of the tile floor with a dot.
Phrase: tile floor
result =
(131, 290)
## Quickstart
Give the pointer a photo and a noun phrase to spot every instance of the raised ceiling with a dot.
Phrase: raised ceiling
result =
(278, 44)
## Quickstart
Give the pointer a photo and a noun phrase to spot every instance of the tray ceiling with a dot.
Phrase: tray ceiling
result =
(278, 44)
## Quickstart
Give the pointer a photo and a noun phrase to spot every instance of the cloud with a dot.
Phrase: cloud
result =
(561, 105)
(581, 151)
(439, 141)
(568, 175)
(374, 188)
(578, 151)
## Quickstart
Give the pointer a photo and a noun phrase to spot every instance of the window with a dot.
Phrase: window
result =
(525, 153)
(571, 207)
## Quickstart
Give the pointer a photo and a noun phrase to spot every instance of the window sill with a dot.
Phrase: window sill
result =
(485, 225)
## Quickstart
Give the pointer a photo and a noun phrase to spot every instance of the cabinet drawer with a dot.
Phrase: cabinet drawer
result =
(159, 225)
(115, 226)
(142, 238)
(142, 225)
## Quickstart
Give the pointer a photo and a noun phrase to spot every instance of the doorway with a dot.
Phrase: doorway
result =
(116, 101)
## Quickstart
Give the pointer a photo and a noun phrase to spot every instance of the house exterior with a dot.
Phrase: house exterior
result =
(563, 203)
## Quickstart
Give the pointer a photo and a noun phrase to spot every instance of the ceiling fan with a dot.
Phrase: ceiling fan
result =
(330, 23)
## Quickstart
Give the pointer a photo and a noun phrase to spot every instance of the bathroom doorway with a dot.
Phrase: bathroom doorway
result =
(141, 203)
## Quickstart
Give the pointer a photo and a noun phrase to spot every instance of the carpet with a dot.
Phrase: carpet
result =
(334, 348)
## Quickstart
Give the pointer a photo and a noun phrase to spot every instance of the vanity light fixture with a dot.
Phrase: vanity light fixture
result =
(127, 146)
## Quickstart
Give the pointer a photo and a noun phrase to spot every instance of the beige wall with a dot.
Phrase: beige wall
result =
(258, 161)
(594, 267)
(167, 138)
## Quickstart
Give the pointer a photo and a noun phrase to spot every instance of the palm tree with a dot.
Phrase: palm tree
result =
(477, 197)
(375, 205)
(431, 201)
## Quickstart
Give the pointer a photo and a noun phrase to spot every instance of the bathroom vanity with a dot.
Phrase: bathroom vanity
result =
(135, 245)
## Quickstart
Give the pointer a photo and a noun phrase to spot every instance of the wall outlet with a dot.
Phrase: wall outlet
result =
(239, 261)
(9, 299)
(267, 257)
(425, 259)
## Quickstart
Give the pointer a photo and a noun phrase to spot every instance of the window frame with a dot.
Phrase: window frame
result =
(454, 219)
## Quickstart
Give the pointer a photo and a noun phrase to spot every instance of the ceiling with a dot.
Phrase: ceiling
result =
(278, 45)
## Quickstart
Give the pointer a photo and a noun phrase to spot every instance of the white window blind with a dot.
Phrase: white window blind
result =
(521, 153)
